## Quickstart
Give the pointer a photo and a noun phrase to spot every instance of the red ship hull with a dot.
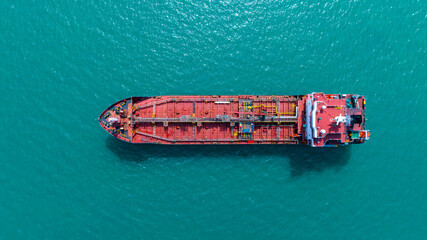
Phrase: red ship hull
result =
(315, 119)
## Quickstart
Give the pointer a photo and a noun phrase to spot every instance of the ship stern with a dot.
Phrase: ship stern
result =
(335, 120)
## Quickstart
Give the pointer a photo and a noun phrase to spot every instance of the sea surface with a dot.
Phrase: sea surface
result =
(63, 62)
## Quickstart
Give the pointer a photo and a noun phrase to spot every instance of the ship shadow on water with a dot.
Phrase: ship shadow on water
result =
(302, 159)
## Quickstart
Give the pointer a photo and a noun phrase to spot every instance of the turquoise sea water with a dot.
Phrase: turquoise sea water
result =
(63, 62)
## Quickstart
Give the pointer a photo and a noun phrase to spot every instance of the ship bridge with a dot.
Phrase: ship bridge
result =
(333, 120)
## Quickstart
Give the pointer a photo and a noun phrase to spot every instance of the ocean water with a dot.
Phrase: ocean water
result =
(63, 62)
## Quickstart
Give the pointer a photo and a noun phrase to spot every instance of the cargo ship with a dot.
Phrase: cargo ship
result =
(316, 119)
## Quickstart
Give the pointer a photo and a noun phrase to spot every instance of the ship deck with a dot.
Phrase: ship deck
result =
(215, 119)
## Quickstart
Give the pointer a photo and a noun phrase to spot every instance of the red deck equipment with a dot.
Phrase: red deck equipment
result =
(316, 119)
